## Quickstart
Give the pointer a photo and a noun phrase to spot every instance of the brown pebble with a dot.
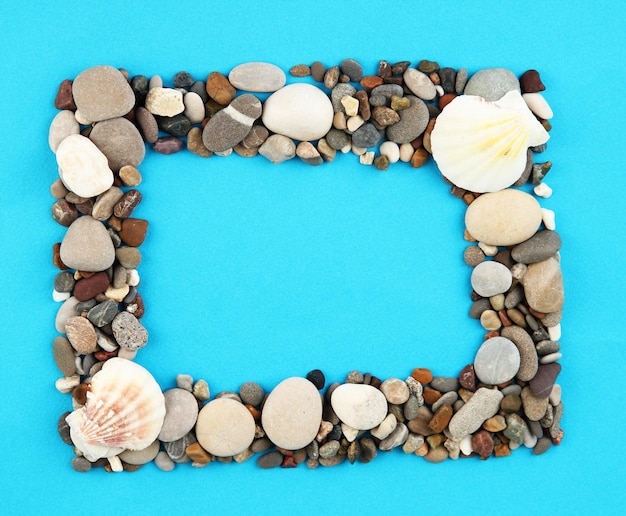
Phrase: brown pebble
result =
(369, 82)
(431, 395)
(437, 455)
(168, 145)
(220, 89)
(381, 162)
(244, 152)
(195, 144)
(81, 334)
(473, 255)
(289, 462)
(446, 99)
(130, 176)
(331, 77)
(501, 450)
(530, 82)
(256, 137)
(422, 375)
(64, 98)
(300, 70)
(441, 418)
(58, 190)
(482, 443)
(56, 257)
(133, 231)
(136, 307)
(420, 156)
(384, 69)
(364, 105)
(317, 71)
(125, 206)
(79, 393)
(87, 288)
(495, 424)
(467, 378)
(198, 454)
(147, 124)
(64, 213)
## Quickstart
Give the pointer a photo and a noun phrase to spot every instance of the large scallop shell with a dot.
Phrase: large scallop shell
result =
(482, 146)
(124, 411)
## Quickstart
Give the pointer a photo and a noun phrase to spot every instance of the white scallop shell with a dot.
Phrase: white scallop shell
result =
(482, 146)
(124, 411)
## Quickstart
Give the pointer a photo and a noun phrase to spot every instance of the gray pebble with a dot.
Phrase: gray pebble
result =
(461, 80)
(378, 100)
(514, 297)
(387, 91)
(515, 428)
(278, 148)
(138, 457)
(129, 332)
(395, 439)
(368, 450)
(339, 91)
(352, 69)
(64, 429)
(163, 462)
(183, 80)
(413, 122)
(542, 446)
(445, 384)
(260, 445)
(366, 136)
(231, 124)
(147, 124)
(541, 246)
(329, 449)
(176, 449)
(478, 307)
(128, 257)
(103, 313)
(492, 83)
(199, 88)
(449, 398)
(411, 408)
(546, 347)
(497, 361)
(251, 393)
(337, 139)
(63, 354)
(181, 412)
(490, 278)
(102, 92)
(448, 79)
(184, 381)
(64, 282)
(81, 464)
(270, 460)
(120, 141)
(473, 255)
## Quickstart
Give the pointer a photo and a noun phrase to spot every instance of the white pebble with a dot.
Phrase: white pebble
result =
(225, 153)
(350, 104)
(66, 384)
(529, 438)
(116, 464)
(555, 395)
(538, 105)
(60, 296)
(81, 119)
(406, 152)
(354, 122)
(548, 218)
(349, 433)
(128, 355)
(489, 250)
(439, 89)
(358, 150)
(552, 357)
(542, 190)
(194, 107)
(518, 270)
(367, 158)
(164, 101)
(78, 362)
(465, 445)
(346, 148)
(132, 277)
(555, 332)
(391, 150)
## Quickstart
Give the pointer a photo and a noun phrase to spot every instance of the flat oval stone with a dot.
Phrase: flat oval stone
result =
(503, 218)
(129, 332)
(63, 124)
(413, 122)
(231, 124)
(147, 123)
(194, 107)
(102, 92)
(181, 412)
(360, 406)
(87, 246)
(299, 111)
(484, 404)
(543, 286)
(292, 413)
(66, 310)
(257, 76)
(81, 334)
(63, 354)
(534, 407)
(527, 352)
(492, 83)
(541, 246)
(490, 278)
(225, 427)
(83, 168)
(120, 141)
(497, 361)
(138, 457)
(420, 84)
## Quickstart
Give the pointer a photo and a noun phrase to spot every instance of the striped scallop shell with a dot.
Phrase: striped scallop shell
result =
(124, 411)
(482, 146)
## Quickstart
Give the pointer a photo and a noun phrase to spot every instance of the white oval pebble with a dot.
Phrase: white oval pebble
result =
(490, 278)
(554, 332)
(300, 111)
(548, 218)
(292, 413)
(406, 152)
(194, 107)
(83, 168)
(542, 190)
(538, 105)
(257, 77)
(391, 150)
(59, 296)
(225, 427)
(360, 406)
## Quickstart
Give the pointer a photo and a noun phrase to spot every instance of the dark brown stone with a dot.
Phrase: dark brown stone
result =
(467, 378)
(530, 82)
(133, 231)
(541, 385)
(364, 105)
(64, 98)
(125, 206)
(64, 213)
(441, 418)
(220, 89)
(482, 443)
(87, 288)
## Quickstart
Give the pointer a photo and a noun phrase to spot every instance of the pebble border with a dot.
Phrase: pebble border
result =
(419, 407)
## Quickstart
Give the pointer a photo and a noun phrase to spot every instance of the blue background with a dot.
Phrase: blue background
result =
(258, 272)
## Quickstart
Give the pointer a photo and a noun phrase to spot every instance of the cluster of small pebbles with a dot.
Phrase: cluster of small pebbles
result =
(507, 398)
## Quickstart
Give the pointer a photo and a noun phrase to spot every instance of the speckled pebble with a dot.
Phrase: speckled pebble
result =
(251, 393)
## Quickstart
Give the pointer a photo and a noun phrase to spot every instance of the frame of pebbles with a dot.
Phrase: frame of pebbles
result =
(120, 419)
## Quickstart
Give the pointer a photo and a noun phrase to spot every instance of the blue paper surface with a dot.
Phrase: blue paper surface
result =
(255, 271)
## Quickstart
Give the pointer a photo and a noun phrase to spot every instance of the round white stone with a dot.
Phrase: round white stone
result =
(360, 406)
(225, 427)
(164, 101)
(300, 111)
(83, 168)
(391, 150)
(490, 278)
(292, 413)
(497, 361)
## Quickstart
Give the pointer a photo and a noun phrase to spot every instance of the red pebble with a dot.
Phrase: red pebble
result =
(289, 462)
(64, 98)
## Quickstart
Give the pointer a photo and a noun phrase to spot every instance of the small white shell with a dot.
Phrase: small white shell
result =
(124, 411)
(480, 145)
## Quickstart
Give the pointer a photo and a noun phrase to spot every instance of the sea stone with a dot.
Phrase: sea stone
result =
(541, 385)
(138, 457)
(480, 407)
(526, 347)
(63, 354)
(292, 413)
(492, 83)
(63, 124)
(120, 141)
(257, 76)
(147, 124)
(543, 286)
(338, 92)
(490, 278)
(395, 390)
(83, 168)
(87, 246)
(541, 246)
(366, 136)
(413, 122)
(300, 111)
(102, 92)
(232, 124)
(278, 148)
(219, 89)
(534, 406)
(225, 427)
(497, 361)
(420, 84)
(181, 412)
(129, 332)
(194, 107)
(81, 334)
(360, 406)
(352, 69)
(164, 101)
(503, 218)
(66, 310)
